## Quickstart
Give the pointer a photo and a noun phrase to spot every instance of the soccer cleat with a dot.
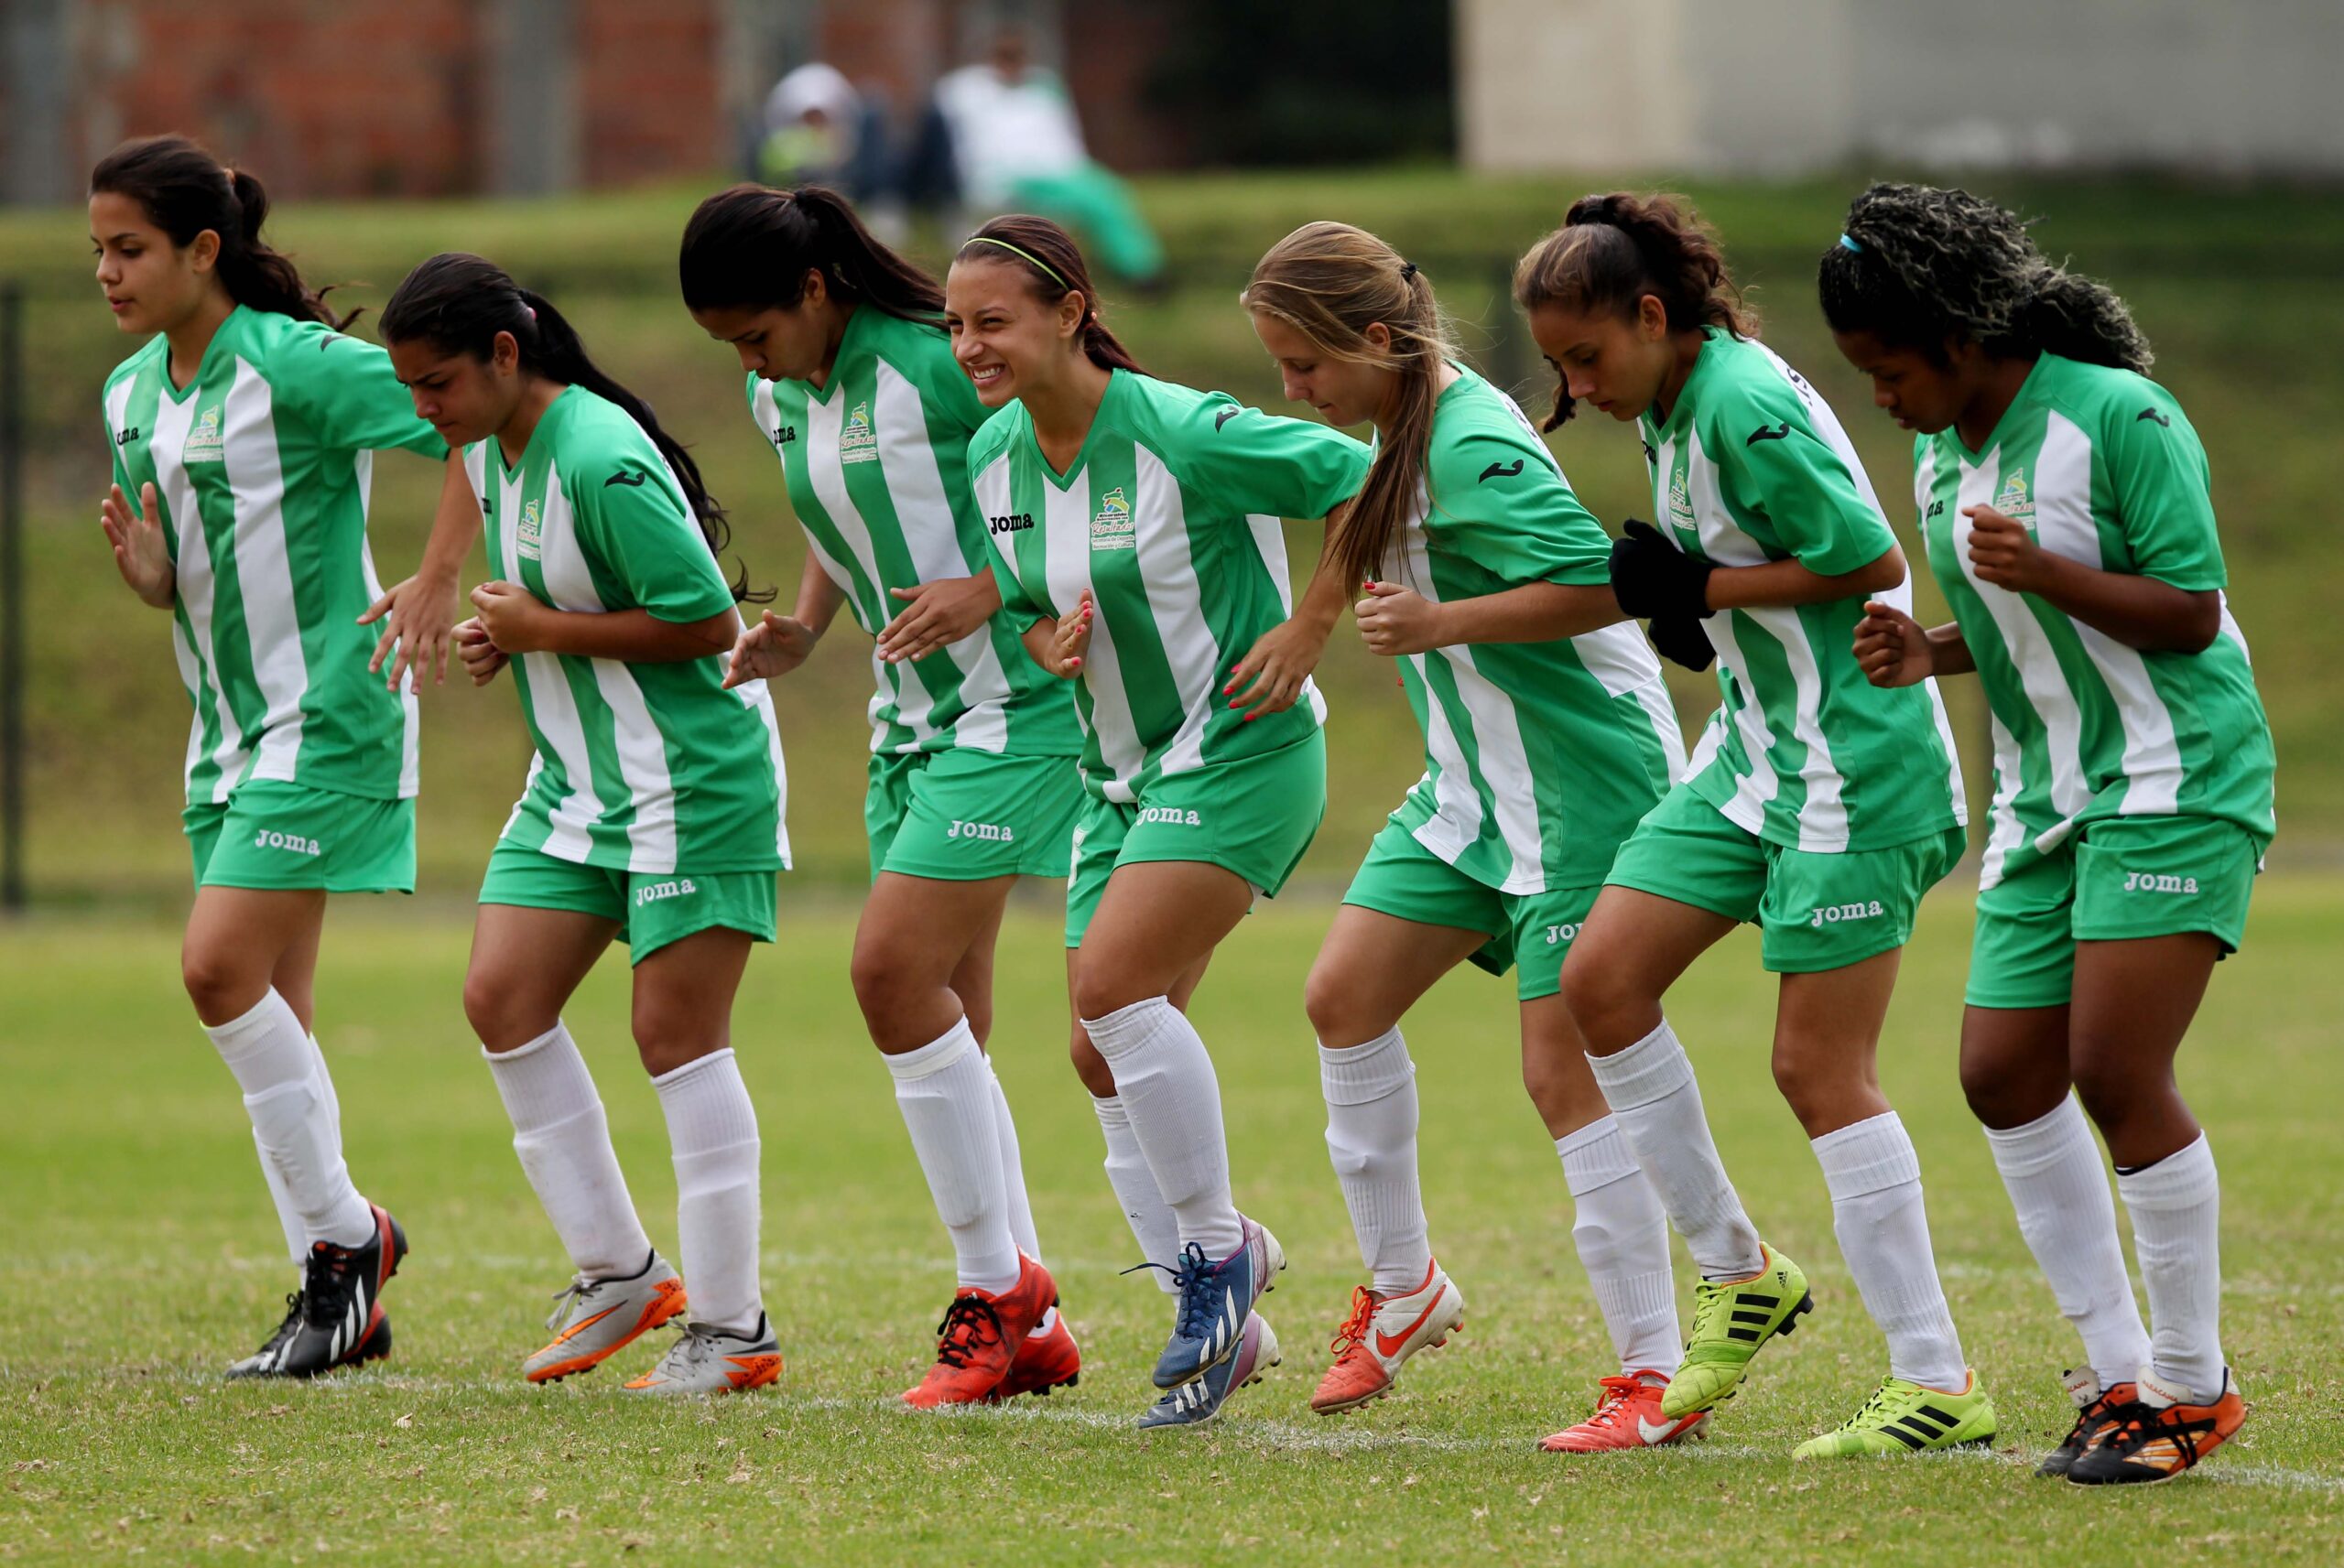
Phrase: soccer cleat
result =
(1627, 1415)
(1215, 1300)
(709, 1360)
(1048, 1359)
(1381, 1333)
(2094, 1406)
(2159, 1435)
(593, 1318)
(342, 1320)
(1730, 1322)
(980, 1337)
(1905, 1418)
(263, 1361)
(1199, 1399)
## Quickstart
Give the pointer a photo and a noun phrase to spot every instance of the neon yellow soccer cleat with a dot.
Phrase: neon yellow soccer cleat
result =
(1905, 1418)
(1730, 1322)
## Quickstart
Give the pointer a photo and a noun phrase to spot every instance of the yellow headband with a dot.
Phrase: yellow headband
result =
(1048, 271)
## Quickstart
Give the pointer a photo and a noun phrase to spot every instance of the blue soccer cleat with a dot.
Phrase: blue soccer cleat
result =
(1200, 1400)
(1215, 1300)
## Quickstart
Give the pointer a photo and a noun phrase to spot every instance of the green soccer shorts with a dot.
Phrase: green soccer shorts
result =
(2116, 879)
(1814, 912)
(1254, 816)
(273, 834)
(1529, 933)
(962, 815)
(653, 909)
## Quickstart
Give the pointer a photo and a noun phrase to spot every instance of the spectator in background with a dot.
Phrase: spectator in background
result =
(1019, 147)
(817, 129)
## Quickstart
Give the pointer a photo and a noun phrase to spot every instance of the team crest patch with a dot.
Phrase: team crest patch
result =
(2014, 501)
(858, 442)
(1680, 503)
(529, 534)
(1111, 528)
(204, 442)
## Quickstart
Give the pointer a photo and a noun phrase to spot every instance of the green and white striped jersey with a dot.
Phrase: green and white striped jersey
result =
(651, 767)
(2103, 467)
(1170, 515)
(1751, 466)
(877, 461)
(262, 466)
(1539, 757)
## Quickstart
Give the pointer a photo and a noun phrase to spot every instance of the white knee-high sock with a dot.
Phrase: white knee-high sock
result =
(1013, 1170)
(288, 1217)
(1371, 1093)
(563, 1138)
(946, 1091)
(1875, 1176)
(2176, 1209)
(1621, 1234)
(712, 1133)
(1652, 1092)
(1150, 1218)
(2051, 1168)
(1164, 1076)
(294, 1121)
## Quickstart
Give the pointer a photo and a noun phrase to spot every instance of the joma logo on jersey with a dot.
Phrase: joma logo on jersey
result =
(2014, 501)
(1937, 508)
(1170, 815)
(784, 434)
(204, 443)
(1112, 528)
(858, 442)
(531, 533)
(992, 832)
(1832, 913)
(1680, 502)
(1015, 522)
(266, 839)
(1556, 936)
(2155, 881)
(652, 892)
(126, 437)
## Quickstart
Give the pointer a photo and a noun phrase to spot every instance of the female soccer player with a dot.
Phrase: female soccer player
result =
(246, 428)
(653, 812)
(1137, 545)
(1548, 734)
(972, 777)
(1816, 804)
(2062, 498)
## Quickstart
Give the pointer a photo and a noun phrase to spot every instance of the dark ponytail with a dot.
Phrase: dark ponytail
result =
(459, 303)
(752, 246)
(1613, 249)
(1053, 266)
(184, 190)
(1918, 266)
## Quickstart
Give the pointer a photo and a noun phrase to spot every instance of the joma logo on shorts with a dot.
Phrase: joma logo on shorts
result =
(1170, 815)
(1559, 935)
(265, 839)
(652, 892)
(1832, 913)
(993, 832)
(2151, 881)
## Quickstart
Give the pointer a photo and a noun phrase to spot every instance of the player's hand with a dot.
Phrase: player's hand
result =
(1680, 640)
(1649, 575)
(417, 622)
(1062, 656)
(2005, 552)
(481, 658)
(1271, 675)
(510, 614)
(937, 614)
(140, 552)
(773, 647)
(1892, 647)
(1394, 621)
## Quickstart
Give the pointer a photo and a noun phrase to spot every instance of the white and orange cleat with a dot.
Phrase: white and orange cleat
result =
(1381, 1333)
(593, 1319)
(709, 1360)
(1627, 1415)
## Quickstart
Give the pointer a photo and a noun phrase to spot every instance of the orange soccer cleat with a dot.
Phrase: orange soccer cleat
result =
(1383, 1331)
(1627, 1415)
(980, 1337)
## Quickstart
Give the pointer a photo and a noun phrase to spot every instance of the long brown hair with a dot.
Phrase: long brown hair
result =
(1613, 249)
(752, 246)
(1330, 282)
(1054, 268)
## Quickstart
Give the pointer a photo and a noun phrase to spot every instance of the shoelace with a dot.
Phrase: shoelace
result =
(1879, 1404)
(697, 1344)
(1352, 1333)
(958, 1336)
(2131, 1427)
(579, 1286)
(1191, 1282)
(325, 1282)
(285, 1329)
(1614, 1401)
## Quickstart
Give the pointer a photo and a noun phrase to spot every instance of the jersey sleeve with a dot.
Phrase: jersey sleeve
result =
(1805, 488)
(2157, 470)
(1253, 462)
(633, 517)
(1509, 510)
(345, 389)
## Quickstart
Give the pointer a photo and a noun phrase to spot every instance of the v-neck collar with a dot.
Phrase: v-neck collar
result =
(1701, 362)
(1994, 437)
(1063, 482)
(508, 472)
(204, 362)
(847, 346)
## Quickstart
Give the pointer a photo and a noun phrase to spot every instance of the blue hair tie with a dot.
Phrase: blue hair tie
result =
(1847, 244)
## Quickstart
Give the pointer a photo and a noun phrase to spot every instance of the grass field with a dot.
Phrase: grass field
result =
(137, 1253)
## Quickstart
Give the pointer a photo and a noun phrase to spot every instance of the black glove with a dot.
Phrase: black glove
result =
(1681, 640)
(1650, 577)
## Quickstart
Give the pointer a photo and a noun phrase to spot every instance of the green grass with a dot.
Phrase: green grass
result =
(139, 1254)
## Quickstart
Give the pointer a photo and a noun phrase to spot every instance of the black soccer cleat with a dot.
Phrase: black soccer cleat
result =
(261, 1363)
(343, 1323)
